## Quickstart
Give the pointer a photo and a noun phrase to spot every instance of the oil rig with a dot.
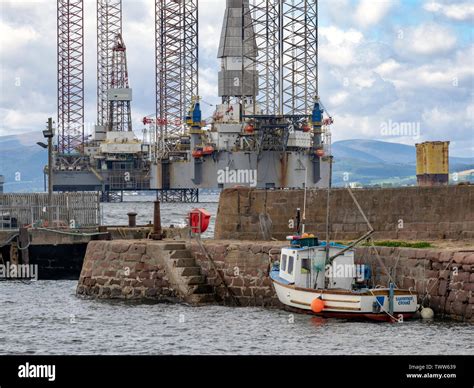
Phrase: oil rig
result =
(268, 131)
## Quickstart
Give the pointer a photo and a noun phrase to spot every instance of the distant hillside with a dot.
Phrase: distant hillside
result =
(372, 151)
(371, 162)
(367, 162)
(22, 162)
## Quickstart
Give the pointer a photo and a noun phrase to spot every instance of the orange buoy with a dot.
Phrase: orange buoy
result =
(317, 305)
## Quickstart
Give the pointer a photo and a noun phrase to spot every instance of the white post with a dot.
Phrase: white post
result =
(304, 200)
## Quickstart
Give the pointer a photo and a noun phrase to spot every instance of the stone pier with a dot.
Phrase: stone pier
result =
(141, 270)
(443, 278)
(244, 266)
(180, 271)
(407, 213)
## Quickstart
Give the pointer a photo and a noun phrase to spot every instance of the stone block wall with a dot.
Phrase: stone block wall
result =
(444, 279)
(411, 213)
(124, 269)
(245, 267)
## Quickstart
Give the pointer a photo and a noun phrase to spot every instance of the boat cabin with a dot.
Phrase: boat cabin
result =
(306, 267)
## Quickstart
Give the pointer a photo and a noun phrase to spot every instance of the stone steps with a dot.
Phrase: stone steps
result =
(181, 254)
(188, 276)
(174, 246)
(184, 262)
(194, 280)
(189, 271)
(197, 299)
(203, 289)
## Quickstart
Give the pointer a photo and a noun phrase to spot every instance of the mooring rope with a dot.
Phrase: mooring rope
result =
(381, 307)
(382, 263)
(428, 291)
(73, 233)
(218, 273)
(9, 240)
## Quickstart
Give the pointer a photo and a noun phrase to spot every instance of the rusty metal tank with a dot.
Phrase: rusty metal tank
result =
(432, 163)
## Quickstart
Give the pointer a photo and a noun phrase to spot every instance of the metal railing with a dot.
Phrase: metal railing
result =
(67, 210)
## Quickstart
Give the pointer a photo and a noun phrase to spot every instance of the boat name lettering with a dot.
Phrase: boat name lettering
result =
(404, 300)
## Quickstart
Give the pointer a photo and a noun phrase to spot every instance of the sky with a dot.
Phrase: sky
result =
(391, 70)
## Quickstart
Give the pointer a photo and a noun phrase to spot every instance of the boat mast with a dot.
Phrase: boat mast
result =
(328, 218)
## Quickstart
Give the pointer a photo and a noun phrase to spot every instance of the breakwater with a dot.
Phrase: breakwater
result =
(411, 213)
(59, 253)
(181, 271)
(443, 279)
(144, 269)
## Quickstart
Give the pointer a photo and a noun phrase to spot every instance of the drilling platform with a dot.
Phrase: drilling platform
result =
(111, 159)
(268, 131)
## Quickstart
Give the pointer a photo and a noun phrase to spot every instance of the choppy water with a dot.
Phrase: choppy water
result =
(46, 317)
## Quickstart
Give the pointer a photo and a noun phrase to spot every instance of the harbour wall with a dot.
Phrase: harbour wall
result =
(411, 213)
(244, 266)
(59, 254)
(443, 279)
(124, 269)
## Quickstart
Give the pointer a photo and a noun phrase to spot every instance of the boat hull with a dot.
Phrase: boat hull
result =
(368, 305)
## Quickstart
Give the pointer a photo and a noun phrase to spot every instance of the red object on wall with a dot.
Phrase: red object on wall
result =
(199, 220)
(197, 154)
(208, 150)
(320, 153)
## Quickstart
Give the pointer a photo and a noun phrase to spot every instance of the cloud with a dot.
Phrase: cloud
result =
(453, 75)
(371, 12)
(380, 84)
(211, 16)
(388, 67)
(462, 11)
(337, 46)
(14, 38)
(338, 98)
(426, 39)
(458, 119)
(339, 12)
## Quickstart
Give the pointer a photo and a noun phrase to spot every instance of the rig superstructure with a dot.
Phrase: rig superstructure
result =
(268, 130)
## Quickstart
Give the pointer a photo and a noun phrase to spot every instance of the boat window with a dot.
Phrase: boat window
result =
(305, 265)
(283, 262)
(290, 265)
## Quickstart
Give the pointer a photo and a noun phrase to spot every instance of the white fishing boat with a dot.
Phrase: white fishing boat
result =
(323, 279)
(305, 282)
